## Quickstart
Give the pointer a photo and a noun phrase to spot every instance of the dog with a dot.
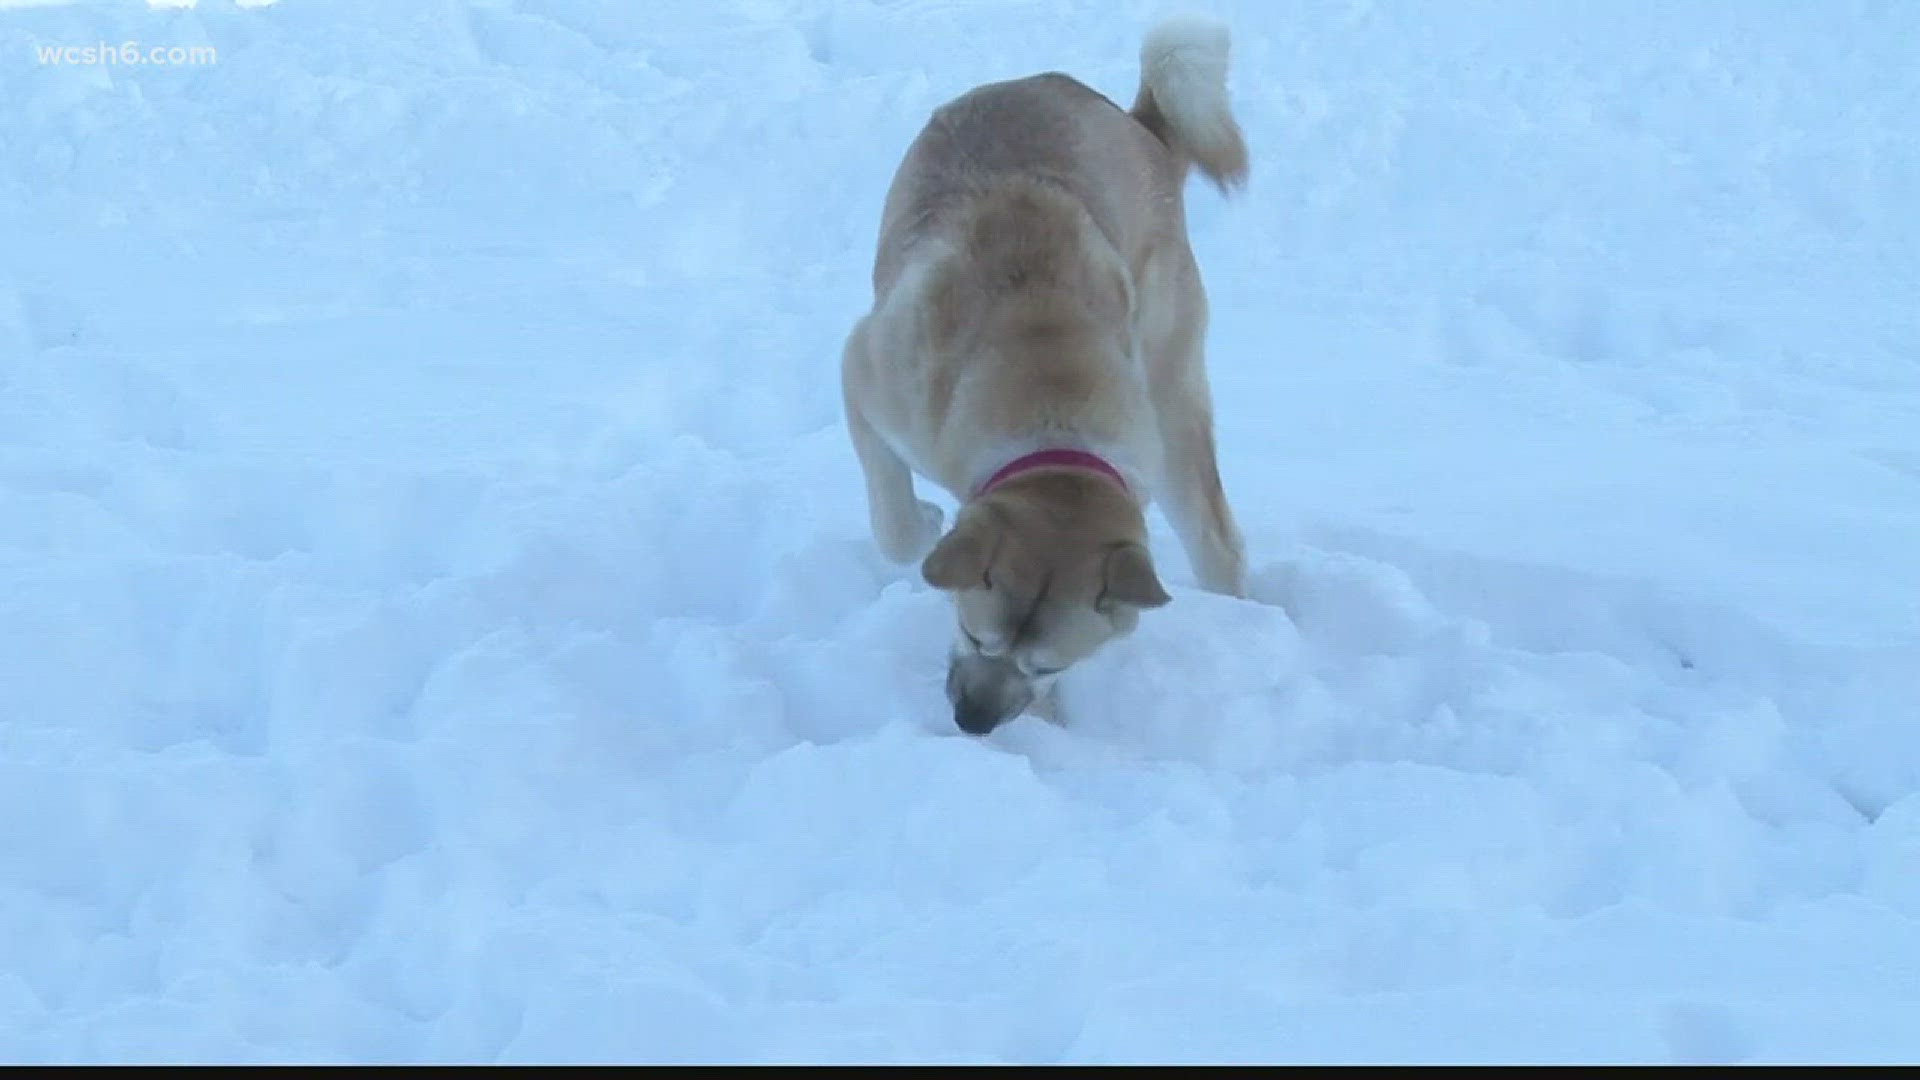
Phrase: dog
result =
(1035, 348)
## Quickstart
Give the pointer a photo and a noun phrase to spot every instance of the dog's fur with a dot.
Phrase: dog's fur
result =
(1034, 289)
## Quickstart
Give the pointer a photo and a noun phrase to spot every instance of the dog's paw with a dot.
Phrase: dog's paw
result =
(910, 538)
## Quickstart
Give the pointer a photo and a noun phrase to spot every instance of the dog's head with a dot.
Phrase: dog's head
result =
(1043, 570)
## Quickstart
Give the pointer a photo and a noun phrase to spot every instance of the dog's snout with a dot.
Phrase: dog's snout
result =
(985, 692)
(976, 718)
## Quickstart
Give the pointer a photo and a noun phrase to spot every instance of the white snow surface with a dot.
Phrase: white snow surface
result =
(438, 620)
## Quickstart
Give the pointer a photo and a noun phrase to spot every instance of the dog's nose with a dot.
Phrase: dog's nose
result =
(974, 718)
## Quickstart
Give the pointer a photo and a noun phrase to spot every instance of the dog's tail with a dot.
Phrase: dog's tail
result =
(1183, 96)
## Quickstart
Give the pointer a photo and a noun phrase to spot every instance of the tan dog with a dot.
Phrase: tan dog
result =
(1035, 348)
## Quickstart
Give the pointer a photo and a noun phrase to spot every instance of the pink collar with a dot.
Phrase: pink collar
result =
(1041, 459)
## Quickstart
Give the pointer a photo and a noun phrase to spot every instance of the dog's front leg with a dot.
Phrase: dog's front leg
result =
(1046, 705)
(905, 527)
(1195, 501)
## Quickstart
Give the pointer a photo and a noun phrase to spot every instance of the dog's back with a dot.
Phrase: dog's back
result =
(1043, 130)
(1125, 168)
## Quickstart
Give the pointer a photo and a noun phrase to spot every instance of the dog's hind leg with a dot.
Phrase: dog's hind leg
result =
(904, 526)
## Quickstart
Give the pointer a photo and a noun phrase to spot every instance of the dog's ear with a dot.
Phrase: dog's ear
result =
(961, 558)
(1129, 579)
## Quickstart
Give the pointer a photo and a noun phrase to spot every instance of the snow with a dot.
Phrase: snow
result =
(438, 621)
